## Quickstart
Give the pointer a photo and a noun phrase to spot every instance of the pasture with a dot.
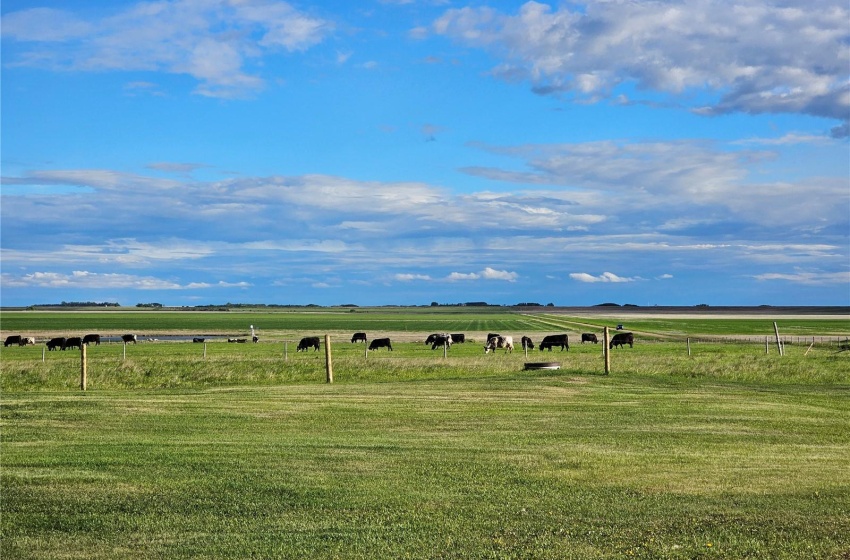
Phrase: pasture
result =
(730, 452)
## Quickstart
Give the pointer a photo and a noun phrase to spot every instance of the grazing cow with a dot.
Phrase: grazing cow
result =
(526, 343)
(439, 340)
(73, 342)
(506, 342)
(89, 338)
(307, 342)
(255, 339)
(27, 341)
(237, 340)
(380, 343)
(198, 339)
(555, 340)
(128, 338)
(359, 337)
(13, 340)
(54, 343)
(492, 335)
(588, 337)
(458, 338)
(621, 339)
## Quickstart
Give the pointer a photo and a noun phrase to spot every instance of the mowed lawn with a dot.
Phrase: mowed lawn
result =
(247, 453)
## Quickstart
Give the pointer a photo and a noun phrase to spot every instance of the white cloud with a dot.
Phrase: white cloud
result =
(604, 277)
(492, 274)
(757, 57)
(214, 41)
(807, 277)
(411, 277)
(486, 274)
(81, 279)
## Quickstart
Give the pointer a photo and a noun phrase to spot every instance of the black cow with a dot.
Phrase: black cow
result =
(621, 339)
(380, 343)
(458, 338)
(255, 339)
(54, 343)
(359, 337)
(307, 342)
(89, 338)
(237, 340)
(439, 340)
(589, 337)
(73, 342)
(526, 343)
(13, 340)
(128, 338)
(553, 340)
(198, 339)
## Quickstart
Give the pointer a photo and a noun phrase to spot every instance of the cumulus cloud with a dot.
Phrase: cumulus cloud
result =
(604, 277)
(486, 274)
(213, 41)
(755, 57)
(411, 277)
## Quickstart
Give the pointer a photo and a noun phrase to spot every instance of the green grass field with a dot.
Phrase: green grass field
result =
(727, 453)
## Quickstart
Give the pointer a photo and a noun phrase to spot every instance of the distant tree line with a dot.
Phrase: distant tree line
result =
(78, 304)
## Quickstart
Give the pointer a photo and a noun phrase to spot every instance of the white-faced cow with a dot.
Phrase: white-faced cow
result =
(359, 337)
(13, 340)
(621, 339)
(589, 337)
(506, 342)
(54, 343)
(308, 342)
(380, 343)
(128, 338)
(526, 343)
(91, 338)
(555, 340)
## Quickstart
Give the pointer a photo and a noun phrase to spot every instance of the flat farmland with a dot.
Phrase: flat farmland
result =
(182, 450)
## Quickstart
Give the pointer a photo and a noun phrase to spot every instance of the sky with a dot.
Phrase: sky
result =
(404, 152)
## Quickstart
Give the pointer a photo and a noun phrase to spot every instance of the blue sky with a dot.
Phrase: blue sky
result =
(385, 152)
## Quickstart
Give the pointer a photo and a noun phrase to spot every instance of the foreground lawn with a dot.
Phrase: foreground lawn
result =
(477, 460)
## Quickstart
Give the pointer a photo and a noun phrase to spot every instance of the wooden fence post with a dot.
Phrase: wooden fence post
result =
(83, 367)
(606, 352)
(689, 346)
(778, 341)
(328, 363)
(205, 350)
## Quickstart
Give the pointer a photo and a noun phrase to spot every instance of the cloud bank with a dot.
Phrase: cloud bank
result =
(754, 56)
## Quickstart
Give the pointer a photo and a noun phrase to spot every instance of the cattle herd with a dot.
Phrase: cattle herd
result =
(62, 342)
(435, 340)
